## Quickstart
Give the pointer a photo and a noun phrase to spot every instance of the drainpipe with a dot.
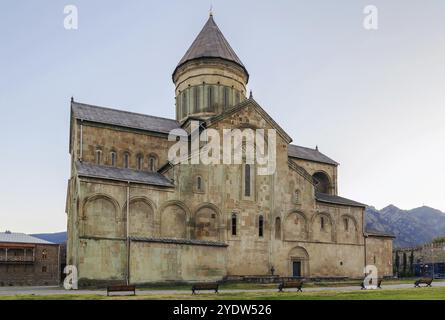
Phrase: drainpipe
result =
(128, 232)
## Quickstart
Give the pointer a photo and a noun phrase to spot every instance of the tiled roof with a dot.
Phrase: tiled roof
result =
(122, 118)
(14, 237)
(121, 174)
(323, 197)
(309, 154)
(210, 43)
(180, 241)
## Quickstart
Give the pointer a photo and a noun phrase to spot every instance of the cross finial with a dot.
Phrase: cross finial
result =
(316, 147)
(251, 95)
(211, 10)
(72, 99)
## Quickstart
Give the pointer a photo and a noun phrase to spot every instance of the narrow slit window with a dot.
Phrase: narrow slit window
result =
(260, 226)
(247, 180)
(152, 163)
(209, 98)
(98, 156)
(234, 224)
(113, 158)
(140, 161)
(126, 160)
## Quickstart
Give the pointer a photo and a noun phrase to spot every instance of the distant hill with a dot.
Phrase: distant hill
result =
(58, 237)
(411, 227)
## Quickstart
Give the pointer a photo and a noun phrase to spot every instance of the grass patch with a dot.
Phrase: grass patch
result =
(435, 293)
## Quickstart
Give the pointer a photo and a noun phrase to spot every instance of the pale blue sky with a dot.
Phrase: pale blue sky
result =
(371, 100)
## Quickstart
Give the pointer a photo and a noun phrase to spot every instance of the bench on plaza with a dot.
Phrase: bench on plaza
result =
(205, 286)
(298, 284)
(379, 283)
(426, 281)
(121, 288)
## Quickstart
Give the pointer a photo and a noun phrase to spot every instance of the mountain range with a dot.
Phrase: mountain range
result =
(57, 237)
(411, 227)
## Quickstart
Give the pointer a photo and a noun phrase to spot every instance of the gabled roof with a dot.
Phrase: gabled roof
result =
(309, 154)
(327, 198)
(14, 237)
(210, 43)
(122, 118)
(121, 174)
(260, 110)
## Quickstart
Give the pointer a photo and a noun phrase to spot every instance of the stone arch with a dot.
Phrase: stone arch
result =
(323, 227)
(207, 222)
(175, 217)
(299, 255)
(349, 235)
(295, 226)
(322, 182)
(100, 216)
(142, 217)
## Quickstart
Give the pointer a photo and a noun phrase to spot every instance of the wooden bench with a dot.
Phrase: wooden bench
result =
(205, 286)
(379, 283)
(426, 281)
(291, 284)
(121, 288)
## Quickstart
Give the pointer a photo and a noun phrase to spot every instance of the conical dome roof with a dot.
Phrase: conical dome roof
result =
(210, 43)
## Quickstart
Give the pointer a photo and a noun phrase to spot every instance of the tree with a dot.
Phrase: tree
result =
(404, 264)
(439, 240)
(411, 263)
(397, 263)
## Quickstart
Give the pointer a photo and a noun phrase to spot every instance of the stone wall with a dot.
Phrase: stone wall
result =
(379, 253)
(176, 262)
(44, 271)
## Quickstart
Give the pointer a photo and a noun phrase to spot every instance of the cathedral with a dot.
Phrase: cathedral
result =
(134, 216)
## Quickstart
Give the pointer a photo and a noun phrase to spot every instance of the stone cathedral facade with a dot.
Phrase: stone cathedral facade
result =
(134, 216)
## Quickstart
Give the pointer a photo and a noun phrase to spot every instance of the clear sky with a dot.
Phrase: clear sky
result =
(371, 100)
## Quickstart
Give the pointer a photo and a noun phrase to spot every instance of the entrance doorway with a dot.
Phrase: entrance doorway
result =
(296, 268)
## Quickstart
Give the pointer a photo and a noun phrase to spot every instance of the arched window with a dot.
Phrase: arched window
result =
(44, 254)
(260, 226)
(199, 183)
(113, 156)
(234, 224)
(210, 98)
(98, 156)
(322, 223)
(247, 180)
(346, 223)
(152, 162)
(140, 161)
(278, 228)
(126, 160)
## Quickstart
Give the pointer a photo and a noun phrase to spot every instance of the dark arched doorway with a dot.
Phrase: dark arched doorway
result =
(321, 182)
